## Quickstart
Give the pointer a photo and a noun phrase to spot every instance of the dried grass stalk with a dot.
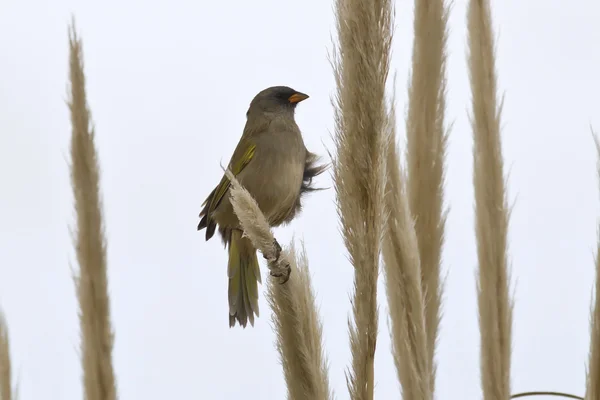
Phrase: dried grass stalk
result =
(361, 65)
(299, 332)
(295, 316)
(593, 373)
(426, 150)
(92, 286)
(491, 210)
(5, 364)
(403, 282)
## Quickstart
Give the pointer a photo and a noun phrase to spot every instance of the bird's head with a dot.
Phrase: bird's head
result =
(276, 99)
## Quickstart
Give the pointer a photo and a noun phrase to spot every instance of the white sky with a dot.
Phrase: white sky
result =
(167, 79)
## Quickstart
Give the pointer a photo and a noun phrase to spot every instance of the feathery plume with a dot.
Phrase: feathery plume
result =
(296, 321)
(5, 364)
(593, 373)
(361, 65)
(426, 151)
(90, 245)
(403, 282)
(491, 210)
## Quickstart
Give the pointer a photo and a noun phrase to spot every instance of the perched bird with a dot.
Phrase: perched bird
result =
(273, 164)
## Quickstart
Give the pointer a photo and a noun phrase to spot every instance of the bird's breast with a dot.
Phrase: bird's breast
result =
(280, 189)
(279, 169)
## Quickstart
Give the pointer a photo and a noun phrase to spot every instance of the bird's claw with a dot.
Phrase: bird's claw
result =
(277, 247)
(278, 271)
(283, 272)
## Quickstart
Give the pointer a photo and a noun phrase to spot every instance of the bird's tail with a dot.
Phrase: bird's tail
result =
(244, 275)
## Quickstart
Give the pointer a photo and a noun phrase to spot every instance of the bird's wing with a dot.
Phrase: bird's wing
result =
(235, 167)
(242, 155)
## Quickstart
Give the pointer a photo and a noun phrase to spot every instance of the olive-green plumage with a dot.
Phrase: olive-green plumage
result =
(273, 164)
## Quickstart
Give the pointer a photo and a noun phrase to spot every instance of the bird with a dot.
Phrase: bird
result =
(272, 162)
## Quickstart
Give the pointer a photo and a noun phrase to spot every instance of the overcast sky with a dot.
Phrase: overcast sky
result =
(168, 86)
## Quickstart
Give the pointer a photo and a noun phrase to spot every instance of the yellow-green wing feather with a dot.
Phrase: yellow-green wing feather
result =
(236, 168)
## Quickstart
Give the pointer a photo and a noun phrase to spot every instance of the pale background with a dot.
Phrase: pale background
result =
(169, 84)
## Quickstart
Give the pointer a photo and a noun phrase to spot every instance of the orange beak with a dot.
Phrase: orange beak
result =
(297, 97)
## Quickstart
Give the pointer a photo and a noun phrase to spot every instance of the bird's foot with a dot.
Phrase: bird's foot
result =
(283, 272)
(277, 249)
(274, 257)
(279, 270)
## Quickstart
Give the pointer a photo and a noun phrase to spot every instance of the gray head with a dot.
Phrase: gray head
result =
(276, 99)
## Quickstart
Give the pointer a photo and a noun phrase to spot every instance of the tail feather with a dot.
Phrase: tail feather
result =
(210, 226)
(205, 219)
(244, 275)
